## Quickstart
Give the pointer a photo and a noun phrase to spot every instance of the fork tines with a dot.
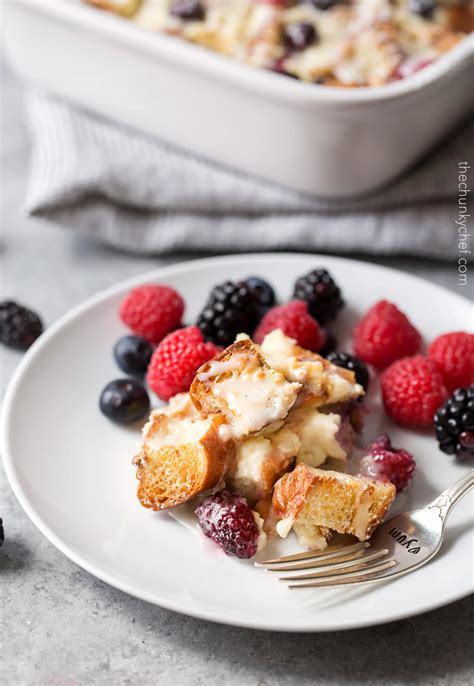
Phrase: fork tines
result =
(346, 564)
(328, 553)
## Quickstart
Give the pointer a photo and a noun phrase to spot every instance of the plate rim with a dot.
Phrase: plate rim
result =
(131, 589)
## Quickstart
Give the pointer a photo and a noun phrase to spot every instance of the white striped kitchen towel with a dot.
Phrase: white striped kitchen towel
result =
(141, 195)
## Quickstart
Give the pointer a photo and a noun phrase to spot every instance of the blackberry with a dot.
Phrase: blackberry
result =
(232, 308)
(354, 365)
(321, 293)
(330, 344)
(19, 327)
(454, 424)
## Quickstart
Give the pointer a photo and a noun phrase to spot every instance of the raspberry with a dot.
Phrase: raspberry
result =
(453, 354)
(410, 66)
(176, 360)
(231, 308)
(228, 520)
(383, 442)
(152, 311)
(385, 462)
(412, 391)
(454, 424)
(295, 321)
(384, 335)
(19, 327)
(322, 294)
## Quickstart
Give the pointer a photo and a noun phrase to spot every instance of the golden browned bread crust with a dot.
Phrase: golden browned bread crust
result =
(201, 391)
(126, 8)
(459, 17)
(239, 384)
(180, 406)
(332, 500)
(291, 491)
(172, 472)
(323, 382)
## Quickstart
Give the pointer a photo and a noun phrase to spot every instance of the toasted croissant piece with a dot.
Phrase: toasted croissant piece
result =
(181, 457)
(260, 460)
(323, 382)
(241, 386)
(315, 502)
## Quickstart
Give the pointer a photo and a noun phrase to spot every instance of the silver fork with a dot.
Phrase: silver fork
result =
(404, 543)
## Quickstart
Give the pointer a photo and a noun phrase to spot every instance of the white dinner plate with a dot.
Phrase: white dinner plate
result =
(71, 469)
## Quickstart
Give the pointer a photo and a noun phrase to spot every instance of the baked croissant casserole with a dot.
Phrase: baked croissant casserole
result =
(343, 43)
(259, 425)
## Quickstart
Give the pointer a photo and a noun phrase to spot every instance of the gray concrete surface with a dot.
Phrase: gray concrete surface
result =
(62, 627)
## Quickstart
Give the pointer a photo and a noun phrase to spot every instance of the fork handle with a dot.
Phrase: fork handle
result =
(445, 502)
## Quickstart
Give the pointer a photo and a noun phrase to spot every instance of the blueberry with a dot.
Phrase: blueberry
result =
(187, 9)
(263, 291)
(424, 8)
(124, 401)
(298, 36)
(132, 354)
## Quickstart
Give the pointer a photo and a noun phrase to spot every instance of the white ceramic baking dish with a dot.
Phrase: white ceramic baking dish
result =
(318, 139)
